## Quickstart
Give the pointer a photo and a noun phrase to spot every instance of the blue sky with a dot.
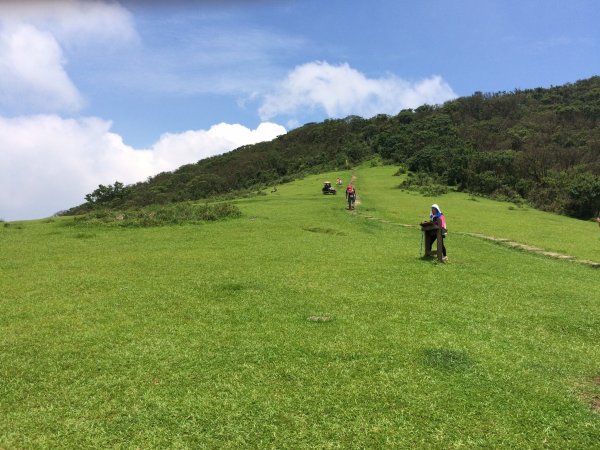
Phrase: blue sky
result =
(97, 91)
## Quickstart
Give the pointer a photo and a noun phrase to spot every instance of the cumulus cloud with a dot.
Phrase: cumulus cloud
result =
(32, 72)
(73, 22)
(174, 150)
(49, 163)
(340, 90)
(33, 37)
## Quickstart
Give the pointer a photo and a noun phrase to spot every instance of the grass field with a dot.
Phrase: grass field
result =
(302, 325)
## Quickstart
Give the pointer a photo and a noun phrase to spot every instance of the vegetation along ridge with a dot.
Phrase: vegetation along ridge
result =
(539, 146)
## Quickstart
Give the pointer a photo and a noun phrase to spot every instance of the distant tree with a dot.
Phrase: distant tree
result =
(106, 194)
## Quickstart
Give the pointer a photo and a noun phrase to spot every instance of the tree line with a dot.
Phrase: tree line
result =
(540, 146)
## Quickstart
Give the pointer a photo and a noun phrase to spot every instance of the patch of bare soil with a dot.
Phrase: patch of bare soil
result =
(589, 394)
(596, 402)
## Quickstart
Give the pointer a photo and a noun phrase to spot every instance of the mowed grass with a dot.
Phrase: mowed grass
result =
(198, 336)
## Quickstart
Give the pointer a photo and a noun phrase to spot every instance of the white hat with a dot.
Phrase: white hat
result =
(436, 207)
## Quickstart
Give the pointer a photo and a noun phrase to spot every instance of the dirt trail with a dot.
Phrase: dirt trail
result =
(532, 249)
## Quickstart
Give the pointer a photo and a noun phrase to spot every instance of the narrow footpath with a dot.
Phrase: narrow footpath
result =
(500, 241)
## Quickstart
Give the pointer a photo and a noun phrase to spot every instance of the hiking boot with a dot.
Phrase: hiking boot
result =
(445, 259)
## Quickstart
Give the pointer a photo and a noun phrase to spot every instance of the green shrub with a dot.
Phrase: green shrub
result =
(157, 215)
(401, 170)
(424, 184)
(433, 190)
(376, 161)
(573, 192)
(506, 194)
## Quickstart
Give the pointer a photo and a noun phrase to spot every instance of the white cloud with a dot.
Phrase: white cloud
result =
(73, 22)
(340, 90)
(49, 163)
(174, 150)
(32, 73)
(33, 37)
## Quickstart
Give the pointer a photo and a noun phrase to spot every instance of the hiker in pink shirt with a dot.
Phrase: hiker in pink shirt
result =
(438, 218)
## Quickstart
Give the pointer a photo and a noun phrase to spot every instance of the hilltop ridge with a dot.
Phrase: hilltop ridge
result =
(538, 145)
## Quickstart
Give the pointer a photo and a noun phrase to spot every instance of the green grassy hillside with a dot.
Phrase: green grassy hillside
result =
(302, 325)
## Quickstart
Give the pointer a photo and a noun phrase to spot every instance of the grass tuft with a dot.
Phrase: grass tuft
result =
(446, 359)
(324, 231)
(319, 318)
(84, 236)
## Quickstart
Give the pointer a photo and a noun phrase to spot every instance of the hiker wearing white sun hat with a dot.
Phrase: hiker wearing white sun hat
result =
(438, 218)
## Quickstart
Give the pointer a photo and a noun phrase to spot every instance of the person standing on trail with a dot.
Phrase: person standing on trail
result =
(438, 218)
(350, 196)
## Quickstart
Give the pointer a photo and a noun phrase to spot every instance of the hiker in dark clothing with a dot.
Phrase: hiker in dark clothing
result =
(350, 196)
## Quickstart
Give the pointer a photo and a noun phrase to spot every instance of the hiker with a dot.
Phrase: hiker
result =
(350, 196)
(438, 218)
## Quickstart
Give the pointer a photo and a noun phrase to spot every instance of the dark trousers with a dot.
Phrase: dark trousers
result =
(351, 199)
(443, 246)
